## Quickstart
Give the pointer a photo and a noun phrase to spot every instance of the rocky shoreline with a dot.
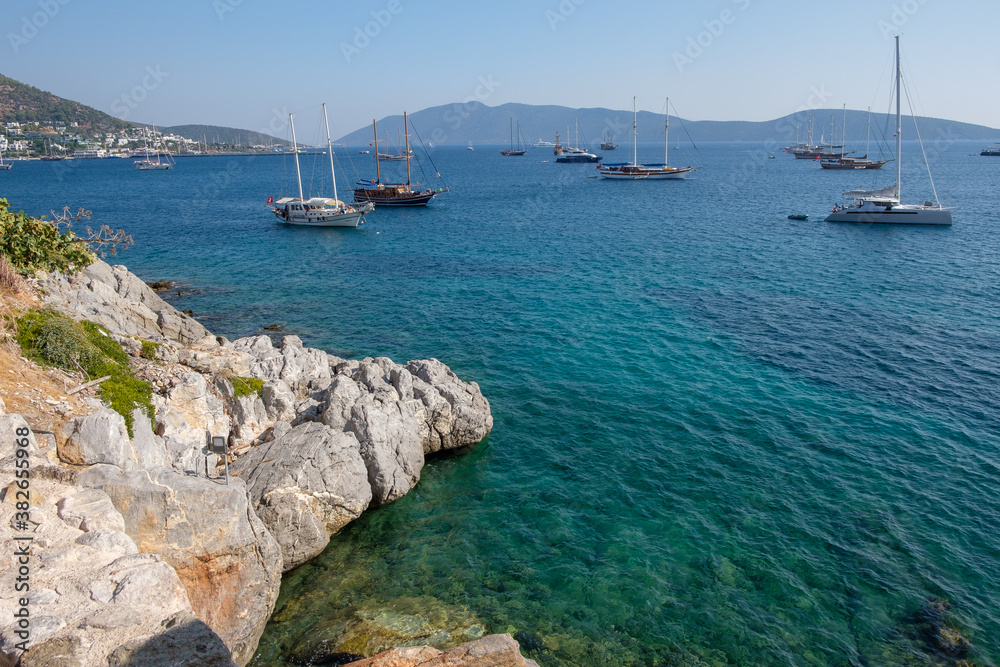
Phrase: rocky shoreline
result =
(142, 553)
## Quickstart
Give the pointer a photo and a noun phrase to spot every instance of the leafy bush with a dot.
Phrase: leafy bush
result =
(149, 350)
(51, 338)
(36, 243)
(246, 386)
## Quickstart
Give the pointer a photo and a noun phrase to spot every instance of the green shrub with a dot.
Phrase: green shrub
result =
(30, 244)
(149, 350)
(246, 386)
(52, 339)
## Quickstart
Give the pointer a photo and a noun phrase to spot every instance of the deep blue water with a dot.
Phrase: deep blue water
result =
(722, 437)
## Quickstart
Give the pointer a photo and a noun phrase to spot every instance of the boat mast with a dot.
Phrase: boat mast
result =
(329, 147)
(378, 175)
(843, 135)
(406, 135)
(512, 134)
(868, 132)
(295, 149)
(666, 140)
(899, 125)
(635, 134)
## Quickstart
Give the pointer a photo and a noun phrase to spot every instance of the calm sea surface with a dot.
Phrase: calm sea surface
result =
(722, 437)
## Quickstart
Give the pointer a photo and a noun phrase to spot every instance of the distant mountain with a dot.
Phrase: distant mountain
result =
(23, 103)
(215, 134)
(461, 123)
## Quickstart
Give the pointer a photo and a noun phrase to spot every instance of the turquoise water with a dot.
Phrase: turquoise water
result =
(722, 437)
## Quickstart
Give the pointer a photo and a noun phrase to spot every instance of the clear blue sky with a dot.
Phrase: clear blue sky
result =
(243, 63)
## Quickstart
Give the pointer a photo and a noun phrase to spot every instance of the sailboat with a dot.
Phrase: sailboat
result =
(633, 171)
(609, 142)
(514, 151)
(317, 211)
(844, 162)
(393, 194)
(883, 206)
(153, 165)
(5, 166)
(392, 157)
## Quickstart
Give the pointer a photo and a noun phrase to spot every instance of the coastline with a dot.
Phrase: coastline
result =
(314, 443)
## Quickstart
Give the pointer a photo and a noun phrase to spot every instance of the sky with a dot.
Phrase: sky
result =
(247, 63)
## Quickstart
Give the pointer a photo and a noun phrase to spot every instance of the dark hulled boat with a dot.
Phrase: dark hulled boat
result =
(390, 195)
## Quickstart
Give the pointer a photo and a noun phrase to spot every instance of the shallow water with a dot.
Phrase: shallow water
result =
(722, 437)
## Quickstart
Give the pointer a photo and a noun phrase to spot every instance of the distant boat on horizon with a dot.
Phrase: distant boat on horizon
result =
(508, 152)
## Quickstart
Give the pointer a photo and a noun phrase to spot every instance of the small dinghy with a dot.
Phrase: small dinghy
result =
(799, 216)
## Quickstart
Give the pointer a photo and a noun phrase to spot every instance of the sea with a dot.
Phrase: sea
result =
(722, 437)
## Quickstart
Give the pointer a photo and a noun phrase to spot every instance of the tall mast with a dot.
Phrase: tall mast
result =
(329, 147)
(868, 132)
(666, 140)
(899, 125)
(378, 175)
(512, 133)
(295, 149)
(635, 134)
(843, 134)
(406, 135)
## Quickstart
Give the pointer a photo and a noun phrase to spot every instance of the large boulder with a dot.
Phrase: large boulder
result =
(206, 530)
(305, 486)
(121, 302)
(91, 591)
(186, 417)
(457, 413)
(389, 437)
(100, 437)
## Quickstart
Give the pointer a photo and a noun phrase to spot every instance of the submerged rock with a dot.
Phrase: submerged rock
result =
(368, 630)
(489, 651)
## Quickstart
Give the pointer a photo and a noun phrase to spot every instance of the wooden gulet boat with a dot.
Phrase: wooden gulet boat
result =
(393, 195)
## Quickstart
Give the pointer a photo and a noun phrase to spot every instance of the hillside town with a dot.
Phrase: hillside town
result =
(58, 141)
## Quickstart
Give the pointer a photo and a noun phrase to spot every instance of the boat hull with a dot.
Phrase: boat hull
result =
(567, 158)
(899, 215)
(392, 200)
(5, 167)
(321, 218)
(643, 173)
(509, 153)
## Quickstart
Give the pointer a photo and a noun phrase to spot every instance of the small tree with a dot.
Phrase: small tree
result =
(30, 244)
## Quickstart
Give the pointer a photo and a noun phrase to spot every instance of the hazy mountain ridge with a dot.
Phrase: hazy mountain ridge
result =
(215, 134)
(481, 124)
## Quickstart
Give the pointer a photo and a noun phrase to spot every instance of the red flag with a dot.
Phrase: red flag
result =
(270, 200)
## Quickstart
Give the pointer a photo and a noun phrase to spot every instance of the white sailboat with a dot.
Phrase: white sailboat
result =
(883, 206)
(317, 211)
(147, 164)
(5, 166)
(633, 171)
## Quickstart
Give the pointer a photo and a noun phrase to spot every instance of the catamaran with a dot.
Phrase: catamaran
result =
(317, 211)
(883, 206)
(394, 194)
(633, 171)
